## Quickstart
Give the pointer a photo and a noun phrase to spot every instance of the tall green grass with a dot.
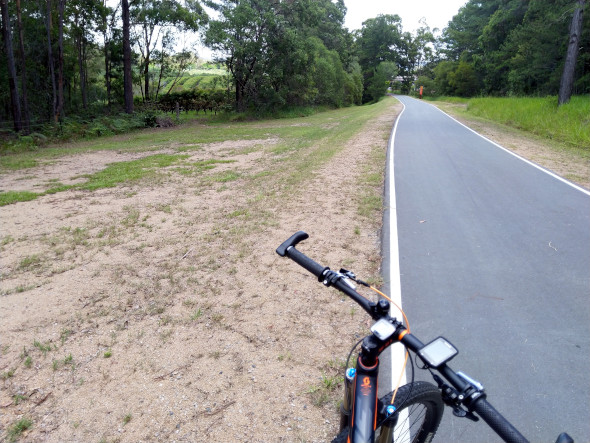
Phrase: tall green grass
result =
(569, 123)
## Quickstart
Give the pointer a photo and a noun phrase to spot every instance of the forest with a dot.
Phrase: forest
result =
(79, 60)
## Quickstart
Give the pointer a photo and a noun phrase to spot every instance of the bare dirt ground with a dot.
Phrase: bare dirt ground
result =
(159, 311)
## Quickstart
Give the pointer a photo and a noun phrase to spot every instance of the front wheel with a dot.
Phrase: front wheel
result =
(420, 409)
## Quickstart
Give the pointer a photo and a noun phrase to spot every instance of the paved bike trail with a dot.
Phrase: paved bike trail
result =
(494, 254)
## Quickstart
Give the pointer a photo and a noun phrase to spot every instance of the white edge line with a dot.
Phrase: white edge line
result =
(397, 351)
(552, 174)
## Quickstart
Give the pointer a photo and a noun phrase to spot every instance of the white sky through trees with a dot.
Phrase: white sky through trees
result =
(436, 12)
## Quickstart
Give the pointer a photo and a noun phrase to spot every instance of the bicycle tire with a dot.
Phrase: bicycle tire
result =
(424, 407)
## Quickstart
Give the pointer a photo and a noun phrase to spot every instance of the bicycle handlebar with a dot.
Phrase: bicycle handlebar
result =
(497, 422)
(287, 249)
(477, 403)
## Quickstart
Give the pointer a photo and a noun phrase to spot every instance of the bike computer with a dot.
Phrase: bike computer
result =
(437, 352)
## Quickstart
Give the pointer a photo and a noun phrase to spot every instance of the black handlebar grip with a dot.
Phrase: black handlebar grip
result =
(497, 422)
(299, 236)
(287, 249)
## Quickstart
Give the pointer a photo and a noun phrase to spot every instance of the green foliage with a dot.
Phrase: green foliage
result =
(514, 47)
(463, 80)
(442, 77)
(374, 44)
(277, 56)
(285, 54)
(569, 123)
(428, 84)
(380, 81)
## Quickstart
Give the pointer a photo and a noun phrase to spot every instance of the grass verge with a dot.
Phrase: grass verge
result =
(315, 139)
(568, 124)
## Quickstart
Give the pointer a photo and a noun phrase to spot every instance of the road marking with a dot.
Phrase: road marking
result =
(397, 350)
(540, 168)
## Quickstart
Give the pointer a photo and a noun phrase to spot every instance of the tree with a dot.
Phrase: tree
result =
(380, 40)
(127, 79)
(567, 78)
(518, 47)
(442, 77)
(241, 33)
(106, 24)
(381, 80)
(51, 63)
(84, 15)
(285, 53)
(464, 80)
(154, 16)
(423, 44)
(60, 61)
(12, 78)
(461, 36)
(25, 107)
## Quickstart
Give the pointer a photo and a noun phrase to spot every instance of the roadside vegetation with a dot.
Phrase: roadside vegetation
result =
(271, 58)
(568, 124)
(294, 133)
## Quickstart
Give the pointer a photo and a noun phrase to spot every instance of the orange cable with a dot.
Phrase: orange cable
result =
(407, 331)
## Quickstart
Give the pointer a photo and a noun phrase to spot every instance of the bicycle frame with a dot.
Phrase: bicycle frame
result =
(360, 396)
(363, 424)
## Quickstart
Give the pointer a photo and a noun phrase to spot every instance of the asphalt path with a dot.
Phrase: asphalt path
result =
(493, 253)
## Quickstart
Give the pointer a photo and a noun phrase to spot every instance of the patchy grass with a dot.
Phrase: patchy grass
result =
(14, 432)
(135, 295)
(10, 197)
(113, 175)
(124, 172)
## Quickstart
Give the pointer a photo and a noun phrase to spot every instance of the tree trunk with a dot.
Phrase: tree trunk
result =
(79, 39)
(14, 99)
(566, 86)
(25, 107)
(161, 74)
(146, 68)
(107, 64)
(107, 74)
(59, 115)
(82, 71)
(51, 63)
(127, 80)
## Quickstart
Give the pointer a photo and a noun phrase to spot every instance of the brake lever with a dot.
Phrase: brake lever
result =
(458, 411)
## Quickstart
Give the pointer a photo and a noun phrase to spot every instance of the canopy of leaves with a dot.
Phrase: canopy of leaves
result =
(285, 53)
(512, 47)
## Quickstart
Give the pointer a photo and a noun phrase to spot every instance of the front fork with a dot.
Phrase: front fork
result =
(364, 381)
(360, 397)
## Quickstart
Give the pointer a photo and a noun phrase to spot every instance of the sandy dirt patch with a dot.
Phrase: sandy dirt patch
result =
(159, 311)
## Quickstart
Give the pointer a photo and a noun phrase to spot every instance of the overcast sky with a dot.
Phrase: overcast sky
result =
(437, 12)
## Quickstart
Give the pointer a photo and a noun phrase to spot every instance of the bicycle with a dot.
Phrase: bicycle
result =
(412, 412)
